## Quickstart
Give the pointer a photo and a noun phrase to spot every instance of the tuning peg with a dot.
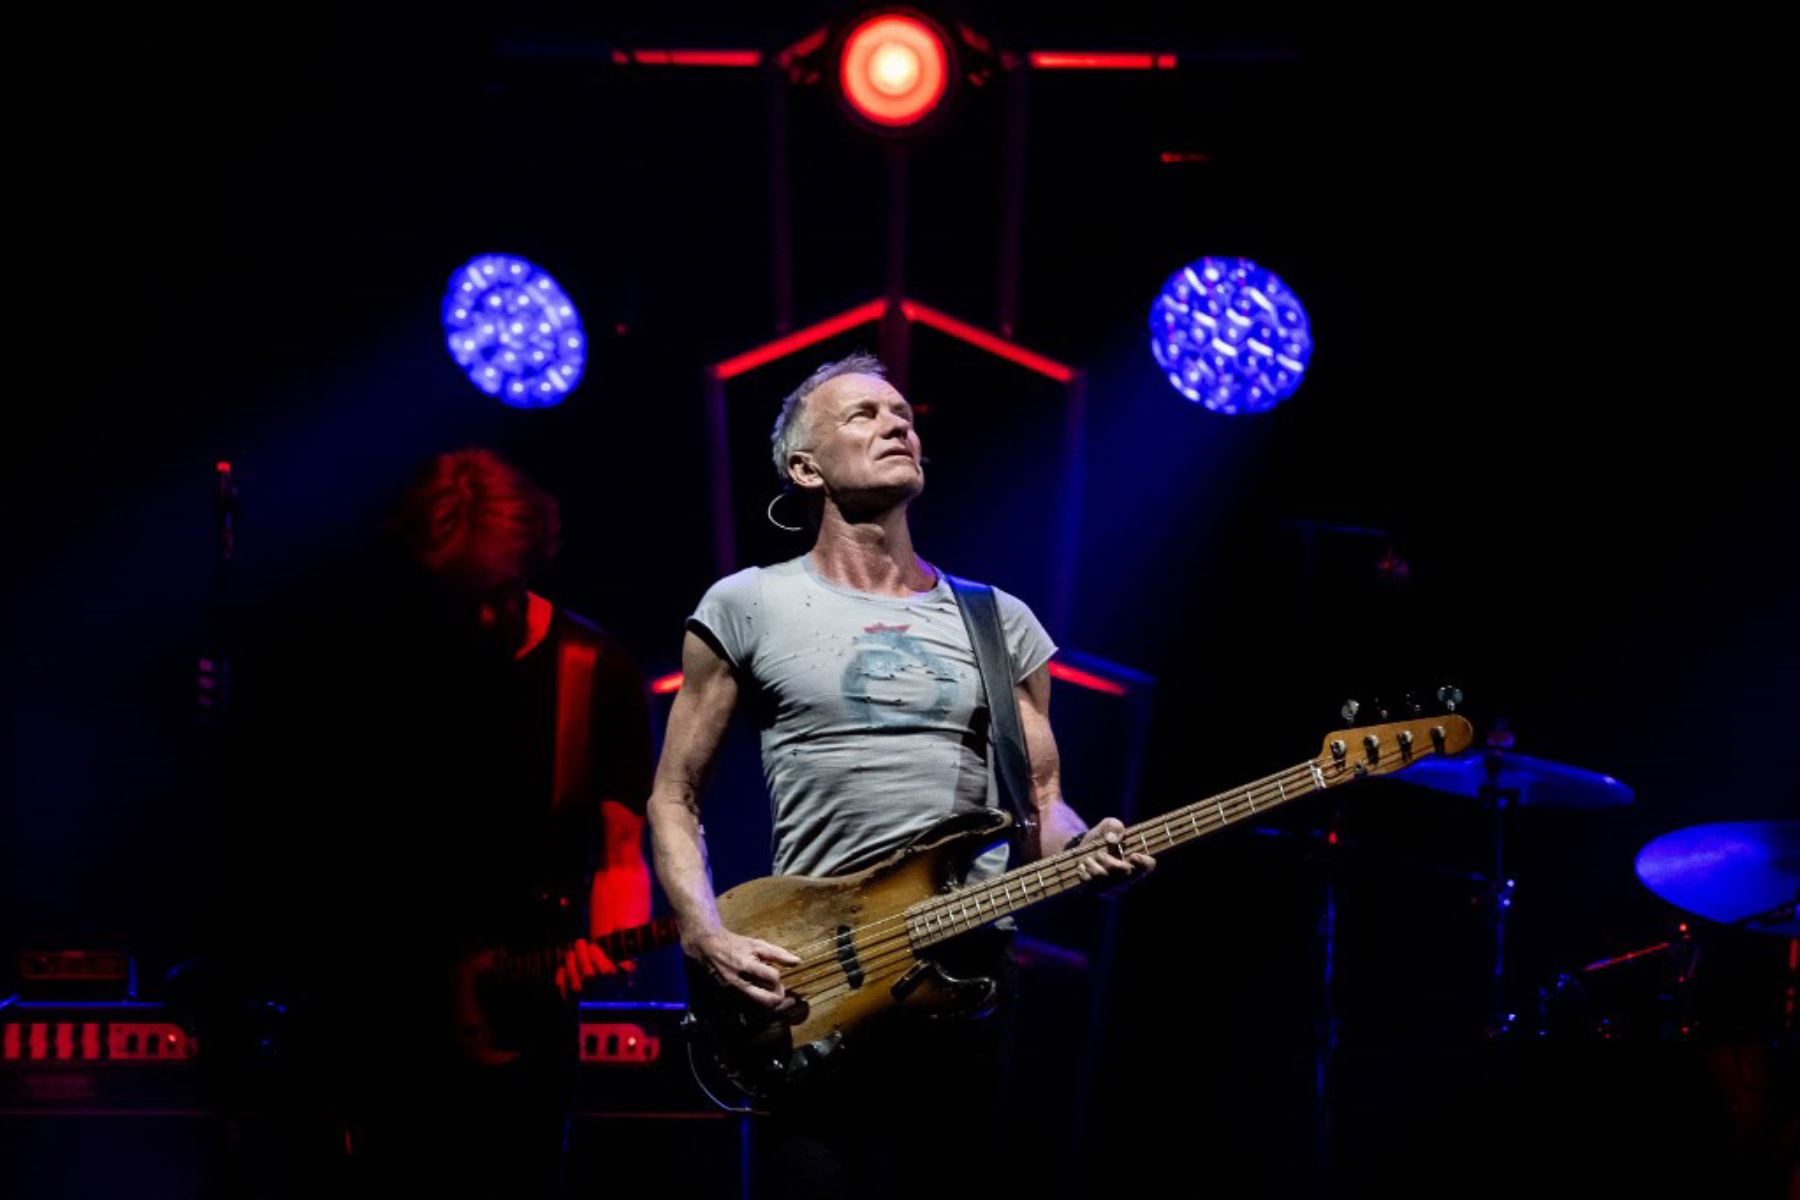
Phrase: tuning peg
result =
(1350, 709)
(1412, 706)
(1450, 697)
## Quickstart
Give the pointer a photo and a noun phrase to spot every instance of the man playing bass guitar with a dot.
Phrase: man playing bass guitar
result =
(858, 667)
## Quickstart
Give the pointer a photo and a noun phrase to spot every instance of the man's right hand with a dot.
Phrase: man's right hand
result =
(750, 965)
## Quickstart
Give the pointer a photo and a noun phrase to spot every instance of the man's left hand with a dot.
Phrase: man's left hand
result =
(582, 962)
(1108, 865)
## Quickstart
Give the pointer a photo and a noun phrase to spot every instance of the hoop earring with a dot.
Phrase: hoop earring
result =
(770, 513)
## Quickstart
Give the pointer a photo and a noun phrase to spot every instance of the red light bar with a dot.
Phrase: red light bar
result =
(1179, 156)
(1059, 60)
(799, 340)
(1080, 678)
(945, 323)
(666, 685)
(696, 58)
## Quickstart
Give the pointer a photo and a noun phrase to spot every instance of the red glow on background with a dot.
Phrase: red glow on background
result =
(1080, 678)
(222, 467)
(944, 322)
(895, 70)
(768, 352)
(1178, 156)
(666, 684)
(1078, 60)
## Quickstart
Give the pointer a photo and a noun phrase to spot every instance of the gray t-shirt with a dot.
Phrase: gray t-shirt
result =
(873, 721)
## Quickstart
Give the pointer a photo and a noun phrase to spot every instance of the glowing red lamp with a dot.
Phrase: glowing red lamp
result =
(895, 70)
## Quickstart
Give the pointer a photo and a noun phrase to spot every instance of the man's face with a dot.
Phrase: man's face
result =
(861, 442)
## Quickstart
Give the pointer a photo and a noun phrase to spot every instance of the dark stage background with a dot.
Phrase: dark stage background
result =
(1541, 264)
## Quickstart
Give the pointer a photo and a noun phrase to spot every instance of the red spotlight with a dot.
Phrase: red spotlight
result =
(895, 69)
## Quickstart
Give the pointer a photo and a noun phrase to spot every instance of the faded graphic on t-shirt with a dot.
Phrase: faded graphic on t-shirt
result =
(892, 679)
(872, 718)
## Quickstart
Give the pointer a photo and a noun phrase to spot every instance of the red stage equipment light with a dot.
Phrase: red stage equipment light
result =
(894, 69)
(1012, 352)
(1086, 679)
(800, 339)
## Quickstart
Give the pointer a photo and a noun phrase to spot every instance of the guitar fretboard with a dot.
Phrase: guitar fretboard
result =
(943, 917)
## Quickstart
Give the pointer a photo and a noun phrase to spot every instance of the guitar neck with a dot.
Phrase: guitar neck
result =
(944, 917)
(623, 944)
(619, 945)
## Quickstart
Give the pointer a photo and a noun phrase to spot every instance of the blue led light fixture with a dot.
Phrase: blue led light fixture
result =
(511, 328)
(1230, 335)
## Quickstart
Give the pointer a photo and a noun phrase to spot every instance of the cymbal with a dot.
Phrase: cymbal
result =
(1539, 782)
(1728, 871)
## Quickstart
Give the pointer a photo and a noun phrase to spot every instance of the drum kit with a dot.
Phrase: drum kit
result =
(1729, 884)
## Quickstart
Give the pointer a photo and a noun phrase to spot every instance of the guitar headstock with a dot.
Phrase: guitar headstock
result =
(1383, 749)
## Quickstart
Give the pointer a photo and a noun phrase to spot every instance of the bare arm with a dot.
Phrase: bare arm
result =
(1057, 822)
(703, 707)
(619, 897)
(621, 894)
(697, 722)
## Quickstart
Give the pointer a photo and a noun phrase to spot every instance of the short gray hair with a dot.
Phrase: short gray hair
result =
(788, 425)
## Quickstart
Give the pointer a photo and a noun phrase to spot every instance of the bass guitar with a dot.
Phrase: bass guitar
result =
(866, 940)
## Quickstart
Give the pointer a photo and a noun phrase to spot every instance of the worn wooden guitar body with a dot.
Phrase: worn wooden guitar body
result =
(861, 964)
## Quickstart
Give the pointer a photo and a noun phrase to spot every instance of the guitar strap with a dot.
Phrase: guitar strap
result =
(572, 756)
(573, 769)
(1012, 766)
